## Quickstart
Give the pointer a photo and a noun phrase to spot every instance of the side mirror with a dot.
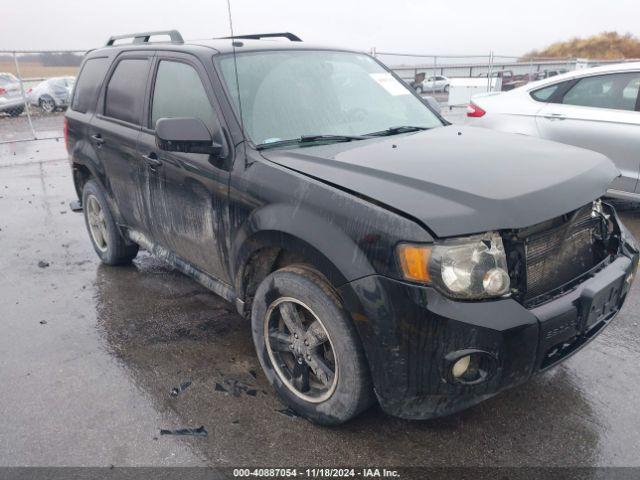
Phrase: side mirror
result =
(187, 135)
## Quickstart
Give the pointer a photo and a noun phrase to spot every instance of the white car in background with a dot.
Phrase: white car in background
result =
(11, 100)
(596, 108)
(437, 83)
(51, 94)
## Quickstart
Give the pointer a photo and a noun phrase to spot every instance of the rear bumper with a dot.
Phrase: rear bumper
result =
(410, 334)
(9, 103)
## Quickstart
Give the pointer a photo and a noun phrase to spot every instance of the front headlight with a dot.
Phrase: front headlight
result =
(466, 268)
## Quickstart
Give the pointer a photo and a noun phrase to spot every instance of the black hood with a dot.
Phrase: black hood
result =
(460, 180)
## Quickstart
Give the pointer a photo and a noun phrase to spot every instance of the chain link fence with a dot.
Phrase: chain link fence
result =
(432, 74)
(35, 89)
(36, 86)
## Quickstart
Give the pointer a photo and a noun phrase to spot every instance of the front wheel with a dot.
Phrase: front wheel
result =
(308, 347)
(47, 104)
(446, 89)
(107, 240)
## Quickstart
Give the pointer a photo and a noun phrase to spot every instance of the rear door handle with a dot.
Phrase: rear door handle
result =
(97, 139)
(152, 161)
(555, 116)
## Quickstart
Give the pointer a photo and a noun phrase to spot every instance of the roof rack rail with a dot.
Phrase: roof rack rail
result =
(260, 36)
(143, 37)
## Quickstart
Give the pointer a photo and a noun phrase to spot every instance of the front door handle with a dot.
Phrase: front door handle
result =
(555, 116)
(152, 161)
(97, 139)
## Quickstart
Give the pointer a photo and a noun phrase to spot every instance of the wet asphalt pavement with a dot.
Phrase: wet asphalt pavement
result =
(89, 356)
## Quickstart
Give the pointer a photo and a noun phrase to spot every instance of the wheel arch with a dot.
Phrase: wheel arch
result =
(83, 171)
(272, 239)
(46, 96)
(269, 250)
(81, 175)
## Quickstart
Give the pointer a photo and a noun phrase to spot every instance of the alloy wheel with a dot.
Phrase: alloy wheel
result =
(300, 350)
(48, 105)
(97, 223)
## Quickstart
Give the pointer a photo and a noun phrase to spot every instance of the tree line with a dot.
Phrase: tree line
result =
(47, 59)
(603, 46)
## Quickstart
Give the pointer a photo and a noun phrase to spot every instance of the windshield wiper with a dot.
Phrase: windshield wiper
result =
(311, 139)
(331, 138)
(397, 130)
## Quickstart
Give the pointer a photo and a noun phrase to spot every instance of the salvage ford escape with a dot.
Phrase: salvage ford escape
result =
(381, 253)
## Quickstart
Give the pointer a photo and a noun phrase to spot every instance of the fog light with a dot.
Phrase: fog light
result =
(461, 366)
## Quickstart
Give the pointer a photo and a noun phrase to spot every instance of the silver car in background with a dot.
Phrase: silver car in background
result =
(51, 94)
(11, 100)
(437, 83)
(596, 108)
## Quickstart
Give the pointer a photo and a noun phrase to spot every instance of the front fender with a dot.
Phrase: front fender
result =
(300, 230)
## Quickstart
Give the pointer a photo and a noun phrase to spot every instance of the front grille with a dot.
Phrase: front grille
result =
(563, 252)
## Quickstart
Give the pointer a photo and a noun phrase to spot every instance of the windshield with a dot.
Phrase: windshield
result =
(291, 94)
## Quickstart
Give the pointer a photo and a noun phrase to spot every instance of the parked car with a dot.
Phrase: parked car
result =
(381, 253)
(438, 83)
(11, 100)
(509, 80)
(549, 73)
(52, 94)
(596, 108)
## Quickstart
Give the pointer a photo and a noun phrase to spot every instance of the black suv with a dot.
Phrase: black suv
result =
(380, 252)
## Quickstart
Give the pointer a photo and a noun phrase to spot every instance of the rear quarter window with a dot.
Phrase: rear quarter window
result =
(89, 83)
(125, 91)
(545, 94)
(551, 93)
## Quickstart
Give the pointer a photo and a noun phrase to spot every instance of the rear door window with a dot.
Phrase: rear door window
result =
(124, 96)
(89, 83)
(179, 92)
(618, 91)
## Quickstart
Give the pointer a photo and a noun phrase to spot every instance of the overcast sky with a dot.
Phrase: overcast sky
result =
(462, 27)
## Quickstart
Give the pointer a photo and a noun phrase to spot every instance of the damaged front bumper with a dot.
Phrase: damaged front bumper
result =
(413, 336)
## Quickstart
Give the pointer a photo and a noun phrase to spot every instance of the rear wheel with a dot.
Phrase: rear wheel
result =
(107, 240)
(308, 347)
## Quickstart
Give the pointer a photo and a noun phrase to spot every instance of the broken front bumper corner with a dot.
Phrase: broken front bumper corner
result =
(412, 336)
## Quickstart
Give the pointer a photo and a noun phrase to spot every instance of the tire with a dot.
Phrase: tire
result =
(15, 112)
(47, 104)
(107, 240)
(446, 89)
(336, 398)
